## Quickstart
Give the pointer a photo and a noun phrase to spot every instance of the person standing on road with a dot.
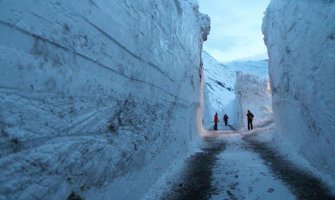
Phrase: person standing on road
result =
(250, 117)
(225, 119)
(216, 120)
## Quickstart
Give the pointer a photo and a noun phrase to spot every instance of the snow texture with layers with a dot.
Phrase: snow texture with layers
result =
(92, 94)
(300, 37)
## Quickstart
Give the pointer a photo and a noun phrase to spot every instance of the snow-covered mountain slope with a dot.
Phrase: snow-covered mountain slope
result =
(300, 38)
(233, 88)
(92, 93)
(219, 90)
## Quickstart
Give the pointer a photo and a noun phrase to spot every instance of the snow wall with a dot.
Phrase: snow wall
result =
(93, 93)
(300, 36)
(252, 93)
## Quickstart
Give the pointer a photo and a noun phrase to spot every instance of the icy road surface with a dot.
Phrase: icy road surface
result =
(233, 165)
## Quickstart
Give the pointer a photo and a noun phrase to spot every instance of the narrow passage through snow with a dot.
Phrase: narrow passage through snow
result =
(237, 165)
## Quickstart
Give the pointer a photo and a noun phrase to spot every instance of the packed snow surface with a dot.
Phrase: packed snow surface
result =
(300, 36)
(96, 97)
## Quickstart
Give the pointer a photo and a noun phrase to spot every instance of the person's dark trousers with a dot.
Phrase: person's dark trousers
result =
(225, 123)
(216, 126)
(250, 127)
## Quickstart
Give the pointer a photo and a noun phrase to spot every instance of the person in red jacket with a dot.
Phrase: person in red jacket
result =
(216, 120)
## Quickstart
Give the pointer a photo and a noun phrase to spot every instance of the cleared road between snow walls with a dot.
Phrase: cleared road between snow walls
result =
(300, 36)
(97, 98)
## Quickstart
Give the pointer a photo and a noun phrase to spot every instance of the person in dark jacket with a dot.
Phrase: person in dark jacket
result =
(250, 117)
(216, 120)
(225, 119)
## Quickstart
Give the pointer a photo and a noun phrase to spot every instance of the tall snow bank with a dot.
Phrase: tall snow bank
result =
(93, 93)
(252, 93)
(300, 36)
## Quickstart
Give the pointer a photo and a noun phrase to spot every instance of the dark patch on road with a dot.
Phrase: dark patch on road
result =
(74, 196)
(195, 181)
(231, 195)
(301, 183)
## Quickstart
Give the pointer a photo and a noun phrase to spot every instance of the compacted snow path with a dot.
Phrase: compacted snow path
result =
(235, 165)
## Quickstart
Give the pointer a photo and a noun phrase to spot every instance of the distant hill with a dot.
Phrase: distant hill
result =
(259, 67)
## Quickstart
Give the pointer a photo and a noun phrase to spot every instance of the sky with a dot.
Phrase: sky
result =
(235, 29)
